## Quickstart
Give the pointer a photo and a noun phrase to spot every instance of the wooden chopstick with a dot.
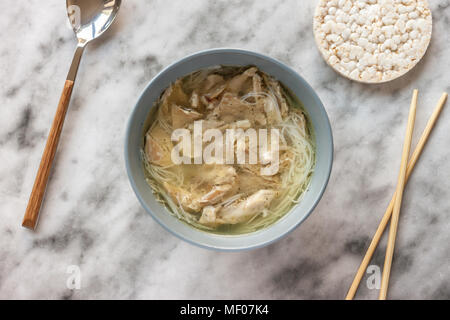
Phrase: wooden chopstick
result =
(398, 198)
(387, 215)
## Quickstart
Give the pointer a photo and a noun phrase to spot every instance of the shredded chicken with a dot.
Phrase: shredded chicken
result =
(232, 99)
(182, 116)
(207, 189)
(209, 216)
(176, 95)
(231, 109)
(212, 81)
(237, 84)
(275, 88)
(158, 147)
(187, 199)
(246, 209)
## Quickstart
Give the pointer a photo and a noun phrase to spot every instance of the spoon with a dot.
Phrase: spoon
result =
(89, 19)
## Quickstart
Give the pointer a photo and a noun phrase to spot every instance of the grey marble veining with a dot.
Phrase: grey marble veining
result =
(92, 219)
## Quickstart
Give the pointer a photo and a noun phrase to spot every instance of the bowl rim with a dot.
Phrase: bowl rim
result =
(243, 247)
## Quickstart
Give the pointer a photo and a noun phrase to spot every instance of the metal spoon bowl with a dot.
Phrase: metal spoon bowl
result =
(90, 19)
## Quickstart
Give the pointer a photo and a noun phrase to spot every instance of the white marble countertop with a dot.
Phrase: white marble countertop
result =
(92, 219)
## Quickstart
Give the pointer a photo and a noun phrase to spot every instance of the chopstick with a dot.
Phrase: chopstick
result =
(387, 215)
(398, 198)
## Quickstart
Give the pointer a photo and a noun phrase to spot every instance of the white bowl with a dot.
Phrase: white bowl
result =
(234, 57)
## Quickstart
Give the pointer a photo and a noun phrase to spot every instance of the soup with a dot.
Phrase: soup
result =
(228, 150)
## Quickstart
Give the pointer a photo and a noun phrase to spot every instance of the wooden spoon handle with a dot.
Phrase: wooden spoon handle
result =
(37, 194)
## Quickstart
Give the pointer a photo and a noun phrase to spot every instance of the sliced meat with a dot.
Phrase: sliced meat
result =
(232, 109)
(158, 146)
(216, 194)
(188, 200)
(221, 174)
(215, 175)
(246, 209)
(213, 87)
(210, 104)
(182, 116)
(175, 95)
(275, 88)
(208, 189)
(213, 80)
(249, 183)
(218, 181)
(215, 92)
(272, 110)
(241, 83)
(263, 100)
(209, 216)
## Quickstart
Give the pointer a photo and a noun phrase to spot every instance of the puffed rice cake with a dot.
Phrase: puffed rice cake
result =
(372, 41)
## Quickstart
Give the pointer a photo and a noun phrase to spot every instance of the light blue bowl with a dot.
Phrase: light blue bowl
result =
(234, 57)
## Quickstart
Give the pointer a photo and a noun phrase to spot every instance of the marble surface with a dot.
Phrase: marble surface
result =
(91, 218)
